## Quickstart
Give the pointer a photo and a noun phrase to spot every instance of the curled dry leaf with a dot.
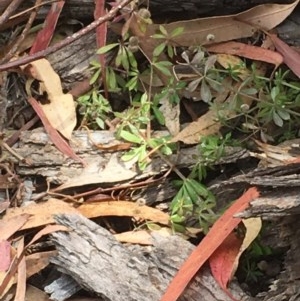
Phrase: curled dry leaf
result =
(60, 109)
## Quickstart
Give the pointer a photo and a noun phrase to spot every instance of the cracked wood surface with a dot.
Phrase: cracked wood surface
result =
(92, 256)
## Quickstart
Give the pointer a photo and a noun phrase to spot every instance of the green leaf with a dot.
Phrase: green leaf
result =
(177, 31)
(158, 36)
(107, 48)
(250, 91)
(130, 137)
(170, 51)
(132, 60)
(166, 150)
(111, 79)
(159, 49)
(177, 218)
(100, 123)
(274, 92)
(95, 76)
(205, 92)
(284, 114)
(199, 188)
(128, 156)
(159, 115)
(163, 30)
(277, 119)
(125, 61)
(163, 67)
(132, 83)
(190, 191)
(192, 86)
(95, 64)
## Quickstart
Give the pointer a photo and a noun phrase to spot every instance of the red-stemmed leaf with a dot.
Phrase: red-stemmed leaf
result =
(55, 137)
(222, 261)
(248, 51)
(5, 256)
(290, 56)
(44, 36)
(101, 33)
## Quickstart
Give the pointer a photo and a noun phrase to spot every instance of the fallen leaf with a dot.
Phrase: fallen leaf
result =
(253, 227)
(60, 109)
(55, 137)
(10, 226)
(291, 57)
(212, 30)
(135, 237)
(41, 213)
(222, 261)
(44, 36)
(21, 276)
(3, 206)
(45, 231)
(219, 231)
(113, 172)
(123, 208)
(248, 51)
(35, 294)
(37, 261)
(207, 124)
(225, 260)
(171, 113)
(101, 34)
(5, 256)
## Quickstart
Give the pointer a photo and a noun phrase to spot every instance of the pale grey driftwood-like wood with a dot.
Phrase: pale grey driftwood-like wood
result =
(92, 256)
(106, 166)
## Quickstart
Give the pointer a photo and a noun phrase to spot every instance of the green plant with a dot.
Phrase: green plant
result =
(259, 100)
(193, 198)
(94, 108)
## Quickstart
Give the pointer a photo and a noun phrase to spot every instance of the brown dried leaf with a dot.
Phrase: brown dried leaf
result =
(204, 126)
(291, 57)
(41, 213)
(21, 277)
(212, 30)
(60, 110)
(135, 237)
(10, 225)
(37, 261)
(33, 293)
(248, 51)
(123, 208)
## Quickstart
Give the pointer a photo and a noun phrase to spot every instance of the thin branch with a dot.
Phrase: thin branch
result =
(22, 36)
(68, 40)
(9, 11)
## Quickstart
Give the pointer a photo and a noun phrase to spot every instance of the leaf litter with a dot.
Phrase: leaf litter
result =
(59, 115)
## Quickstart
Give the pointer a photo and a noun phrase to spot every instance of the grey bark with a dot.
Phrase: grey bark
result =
(116, 272)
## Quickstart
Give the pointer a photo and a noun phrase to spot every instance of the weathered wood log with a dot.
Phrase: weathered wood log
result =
(90, 255)
(103, 163)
